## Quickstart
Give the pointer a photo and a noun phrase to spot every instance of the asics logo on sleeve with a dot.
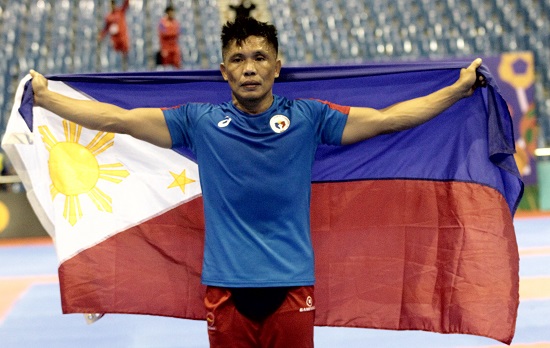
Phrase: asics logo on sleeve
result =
(225, 122)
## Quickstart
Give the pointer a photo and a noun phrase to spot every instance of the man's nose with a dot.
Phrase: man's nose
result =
(250, 67)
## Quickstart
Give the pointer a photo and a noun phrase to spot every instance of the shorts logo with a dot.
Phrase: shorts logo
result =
(309, 304)
(279, 123)
(309, 301)
(210, 321)
(225, 122)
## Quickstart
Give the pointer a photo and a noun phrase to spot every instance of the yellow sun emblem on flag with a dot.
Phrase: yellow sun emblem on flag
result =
(74, 169)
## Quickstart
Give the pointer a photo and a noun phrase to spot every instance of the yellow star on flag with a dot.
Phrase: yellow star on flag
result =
(180, 180)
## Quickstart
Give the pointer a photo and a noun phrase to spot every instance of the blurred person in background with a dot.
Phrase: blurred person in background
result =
(243, 9)
(169, 33)
(115, 25)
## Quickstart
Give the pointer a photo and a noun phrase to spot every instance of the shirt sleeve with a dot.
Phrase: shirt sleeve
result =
(181, 122)
(331, 121)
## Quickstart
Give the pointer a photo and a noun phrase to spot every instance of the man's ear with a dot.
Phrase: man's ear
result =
(278, 65)
(222, 70)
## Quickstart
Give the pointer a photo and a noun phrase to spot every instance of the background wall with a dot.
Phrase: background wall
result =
(17, 219)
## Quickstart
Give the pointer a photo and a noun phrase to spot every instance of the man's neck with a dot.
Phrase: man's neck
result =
(253, 107)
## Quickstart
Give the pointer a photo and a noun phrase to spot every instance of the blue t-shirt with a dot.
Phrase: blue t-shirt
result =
(255, 174)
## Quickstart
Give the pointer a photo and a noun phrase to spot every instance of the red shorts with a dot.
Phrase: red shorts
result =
(291, 325)
(121, 45)
(171, 57)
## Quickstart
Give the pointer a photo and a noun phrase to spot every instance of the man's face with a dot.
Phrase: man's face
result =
(251, 69)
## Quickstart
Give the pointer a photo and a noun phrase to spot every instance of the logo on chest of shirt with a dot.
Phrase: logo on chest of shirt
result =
(279, 123)
(225, 122)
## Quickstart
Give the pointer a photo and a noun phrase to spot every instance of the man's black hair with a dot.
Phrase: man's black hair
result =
(242, 28)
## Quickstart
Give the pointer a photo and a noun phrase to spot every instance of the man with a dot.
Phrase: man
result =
(115, 25)
(169, 33)
(243, 9)
(255, 154)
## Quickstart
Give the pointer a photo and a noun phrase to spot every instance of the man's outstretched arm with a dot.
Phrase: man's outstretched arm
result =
(146, 124)
(364, 123)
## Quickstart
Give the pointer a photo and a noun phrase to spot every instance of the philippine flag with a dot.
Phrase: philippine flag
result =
(411, 231)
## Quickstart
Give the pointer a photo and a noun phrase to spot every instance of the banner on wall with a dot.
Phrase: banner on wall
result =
(515, 75)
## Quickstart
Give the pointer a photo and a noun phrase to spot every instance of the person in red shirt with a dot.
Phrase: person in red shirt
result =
(169, 32)
(115, 25)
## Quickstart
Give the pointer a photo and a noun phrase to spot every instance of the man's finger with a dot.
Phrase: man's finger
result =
(481, 81)
(476, 63)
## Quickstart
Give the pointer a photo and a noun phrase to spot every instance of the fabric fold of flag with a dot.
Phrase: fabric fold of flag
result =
(411, 230)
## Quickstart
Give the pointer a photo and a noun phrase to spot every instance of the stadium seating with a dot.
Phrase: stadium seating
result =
(60, 36)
